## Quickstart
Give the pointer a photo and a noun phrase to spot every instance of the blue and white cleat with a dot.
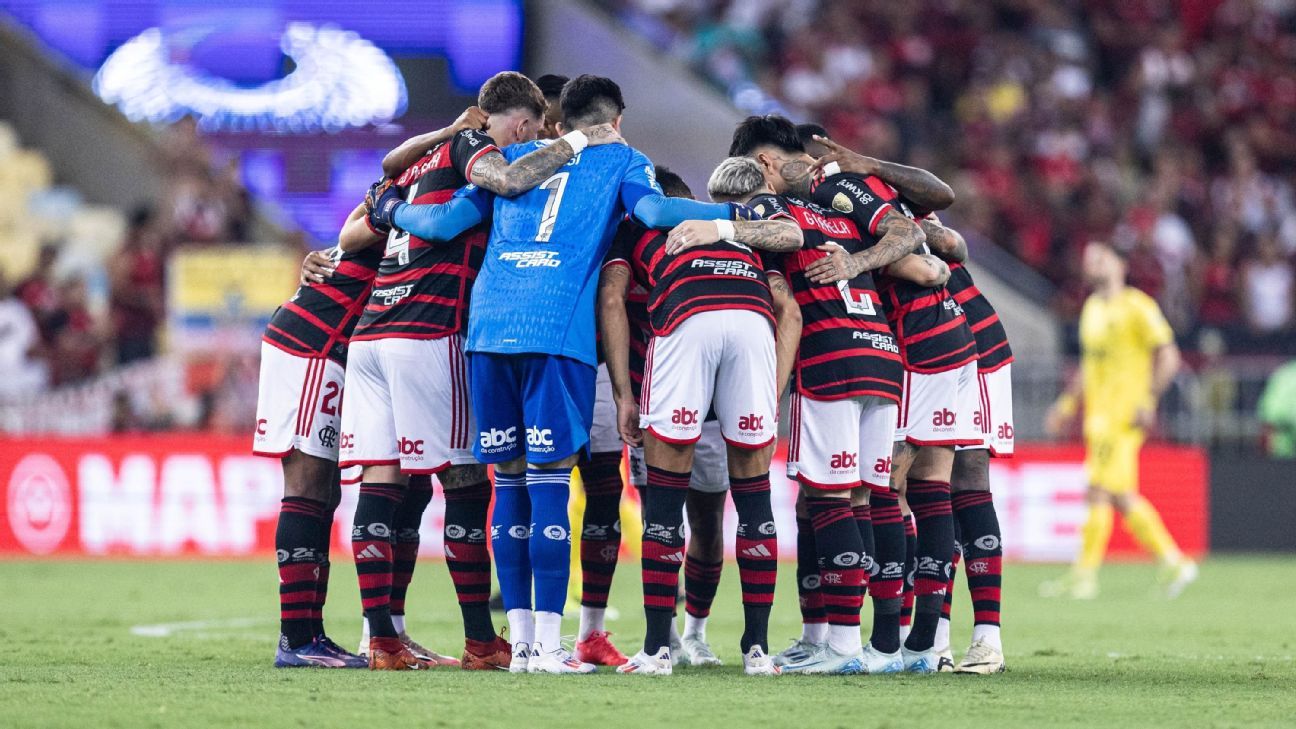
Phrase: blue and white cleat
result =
(828, 662)
(927, 661)
(875, 661)
(349, 660)
(800, 650)
(311, 655)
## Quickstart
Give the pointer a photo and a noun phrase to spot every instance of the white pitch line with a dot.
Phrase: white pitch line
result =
(201, 628)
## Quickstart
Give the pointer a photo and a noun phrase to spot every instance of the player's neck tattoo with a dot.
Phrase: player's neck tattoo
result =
(796, 175)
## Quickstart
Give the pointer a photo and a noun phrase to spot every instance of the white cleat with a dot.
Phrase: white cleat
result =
(877, 662)
(694, 651)
(828, 662)
(757, 663)
(556, 661)
(799, 651)
(521, 658)
(645, 665)
(927, 661)
(1185, 573)
(982, 659)
(676, 649)
(946, 663)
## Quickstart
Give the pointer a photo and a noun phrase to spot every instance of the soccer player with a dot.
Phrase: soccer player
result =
(531, 342)
(303, 357)
(844, 406)
(1127, 360)
(713, 320)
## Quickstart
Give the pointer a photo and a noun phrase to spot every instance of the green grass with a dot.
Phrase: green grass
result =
(1221, 656)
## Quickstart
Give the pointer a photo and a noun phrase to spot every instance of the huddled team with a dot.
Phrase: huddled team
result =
(544, 297)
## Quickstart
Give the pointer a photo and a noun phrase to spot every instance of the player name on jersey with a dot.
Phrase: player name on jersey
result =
(993, 349)
(319, 319)
(423, 287)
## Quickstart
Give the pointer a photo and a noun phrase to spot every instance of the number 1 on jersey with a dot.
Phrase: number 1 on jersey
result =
(556, 186)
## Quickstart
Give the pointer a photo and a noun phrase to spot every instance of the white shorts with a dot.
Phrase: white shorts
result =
(714, 359)
(839, 444)
(604, 436)
(710, 462)
(298, 401)
(940, 409)
(994, 418)
(407, 403)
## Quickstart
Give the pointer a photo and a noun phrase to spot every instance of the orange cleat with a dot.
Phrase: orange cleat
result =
(493, 656)
(598, 649)
(389, 654)
(430, 659)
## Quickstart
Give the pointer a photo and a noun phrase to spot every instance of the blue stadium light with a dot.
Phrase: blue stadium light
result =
(341, 80)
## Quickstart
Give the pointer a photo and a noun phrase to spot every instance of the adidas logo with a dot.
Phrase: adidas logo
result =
(760, 550)
(450, 554)
(370, 552)
(677, 557)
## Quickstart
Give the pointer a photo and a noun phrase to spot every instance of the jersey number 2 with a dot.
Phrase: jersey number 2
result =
(556, 186)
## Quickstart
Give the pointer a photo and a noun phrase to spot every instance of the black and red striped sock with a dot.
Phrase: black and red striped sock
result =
(757, 554)
(468, 558)
(600, 541)
(841, 574)
(864, 523)
(807, 574)
(930, 502)
(298, 556)
(405, 531)
(982, 553)
(701, 580)
(948, 605)
(371, 547)
(323, 545)
(887, 588)
(663, 552)
(911, 569)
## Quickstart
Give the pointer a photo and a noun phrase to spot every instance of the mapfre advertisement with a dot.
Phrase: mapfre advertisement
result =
(199, 495)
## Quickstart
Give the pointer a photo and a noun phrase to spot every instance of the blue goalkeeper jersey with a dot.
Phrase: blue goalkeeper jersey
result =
(536, 290)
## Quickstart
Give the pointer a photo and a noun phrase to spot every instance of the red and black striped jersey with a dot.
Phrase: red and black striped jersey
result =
(847, 348)
(318, 320)
(722, 275)
(423, 287)
(640, 334)
(991, 340)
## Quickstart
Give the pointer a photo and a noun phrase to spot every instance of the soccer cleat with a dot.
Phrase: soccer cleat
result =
(982, 658)
(800, 650)
(876, 662)
(1182, 574)
(521, 658)
(556, 661)
(389, 654)
(676, 648)
(927, 661)
(946, 662)
(828, 662)
(757, 662)
(598, 650)
(694, 651)
(432, 659)
(1076, 587)
(349, 660)
(641, 663)
(310, 655)
(496, 655)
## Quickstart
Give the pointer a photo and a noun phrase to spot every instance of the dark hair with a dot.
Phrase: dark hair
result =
(551, 85)
(808, 131)
(589, 99)
(509, 90)
(672, 184)
(759, 131)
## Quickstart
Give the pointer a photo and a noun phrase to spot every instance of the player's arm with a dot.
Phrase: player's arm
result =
(944, 242)
(437, 222)
(358, 232)
(787, 329)
(493, 172)
(922, 187)
(1065, 407)
(767, 235)
(924, 270)
(900, 237)
(409, 151)
(1165, 365)
(614, 326)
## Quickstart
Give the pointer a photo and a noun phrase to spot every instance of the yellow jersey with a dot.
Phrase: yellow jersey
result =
(1118, 336)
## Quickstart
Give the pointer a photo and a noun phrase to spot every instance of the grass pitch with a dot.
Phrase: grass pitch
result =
(102, 643)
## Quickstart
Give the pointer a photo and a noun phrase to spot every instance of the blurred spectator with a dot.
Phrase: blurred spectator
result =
(39, 293)
(76, 338)
(137, 295)
(1267, 294)
(1277, 412)
(19, 340)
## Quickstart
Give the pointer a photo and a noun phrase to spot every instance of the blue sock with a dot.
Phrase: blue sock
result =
(550, 536)
(510, 528)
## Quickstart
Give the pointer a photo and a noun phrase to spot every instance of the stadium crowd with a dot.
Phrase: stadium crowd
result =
(1164, 126)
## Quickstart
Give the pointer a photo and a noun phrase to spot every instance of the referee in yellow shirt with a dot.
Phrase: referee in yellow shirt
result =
(1128, 359)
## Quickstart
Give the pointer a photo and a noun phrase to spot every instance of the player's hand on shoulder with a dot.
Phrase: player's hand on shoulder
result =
(628, 421)
(602, 134)
(690, 234)
(375, 191)
(836, 265)
(316, 267)
(471, 118)
(738, 211)
(384, 208)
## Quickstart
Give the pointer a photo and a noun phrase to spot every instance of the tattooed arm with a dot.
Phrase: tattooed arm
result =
(777, 235)
(944, 242)
(493, 172)
(924, 270)
(409, 151)
(916, 184)
(787, 332)
(900, 237)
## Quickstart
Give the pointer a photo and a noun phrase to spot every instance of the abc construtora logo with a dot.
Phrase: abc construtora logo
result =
(39, 503)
